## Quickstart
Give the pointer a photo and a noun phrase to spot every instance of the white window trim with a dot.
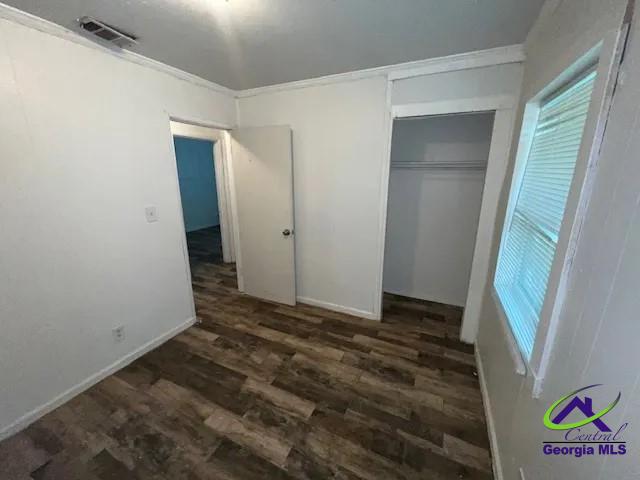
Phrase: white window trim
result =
(607, 56)
(607, 66)
(527, 132)
(519, 362)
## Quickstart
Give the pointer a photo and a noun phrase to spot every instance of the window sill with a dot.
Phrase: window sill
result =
(520, 366)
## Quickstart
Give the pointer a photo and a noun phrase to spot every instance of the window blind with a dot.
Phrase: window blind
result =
(529, 245)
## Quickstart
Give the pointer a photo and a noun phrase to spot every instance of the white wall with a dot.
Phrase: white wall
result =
(598, 329)
(432, 214)
(85, 145)
(338, 147)
(460, 84)
(340, 135)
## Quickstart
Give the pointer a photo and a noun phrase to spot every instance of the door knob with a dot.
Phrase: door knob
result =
(286, 232)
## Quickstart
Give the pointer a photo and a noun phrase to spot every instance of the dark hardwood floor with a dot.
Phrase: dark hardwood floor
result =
(265, 391)
(205, 247)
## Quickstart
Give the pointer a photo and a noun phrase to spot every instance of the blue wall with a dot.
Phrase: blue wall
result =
(197, 183)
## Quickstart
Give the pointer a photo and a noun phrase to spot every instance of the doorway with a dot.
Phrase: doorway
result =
(438, 166)
(199, 195)
(202, 171)
(255, 216)
(503, 108)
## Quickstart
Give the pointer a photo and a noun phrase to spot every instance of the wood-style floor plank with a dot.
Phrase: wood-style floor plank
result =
(259, 390)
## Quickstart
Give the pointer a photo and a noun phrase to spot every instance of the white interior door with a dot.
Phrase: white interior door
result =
(263, 179)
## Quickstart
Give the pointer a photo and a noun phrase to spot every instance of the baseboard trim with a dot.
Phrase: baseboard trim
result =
(486, 402)
(35, 414)
(338, 308)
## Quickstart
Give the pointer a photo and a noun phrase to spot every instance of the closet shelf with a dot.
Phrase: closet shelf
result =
(440, 165)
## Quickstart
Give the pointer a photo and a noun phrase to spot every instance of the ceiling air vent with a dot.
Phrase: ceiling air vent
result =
(106, 32)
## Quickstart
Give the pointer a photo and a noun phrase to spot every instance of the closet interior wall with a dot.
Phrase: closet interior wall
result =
(437, 174)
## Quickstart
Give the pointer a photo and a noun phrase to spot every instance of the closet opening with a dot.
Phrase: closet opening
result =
(436, 182)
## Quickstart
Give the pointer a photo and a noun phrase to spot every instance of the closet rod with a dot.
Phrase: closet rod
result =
(440, 165)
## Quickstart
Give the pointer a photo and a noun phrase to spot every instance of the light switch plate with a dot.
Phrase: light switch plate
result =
(151, 212)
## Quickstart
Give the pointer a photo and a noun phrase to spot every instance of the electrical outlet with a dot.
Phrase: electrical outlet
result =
(151, 212)
(118, 334)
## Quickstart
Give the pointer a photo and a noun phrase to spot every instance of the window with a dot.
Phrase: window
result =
(537, 207)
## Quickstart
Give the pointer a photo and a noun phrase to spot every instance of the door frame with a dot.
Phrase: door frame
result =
(221, 164)
(504, 107)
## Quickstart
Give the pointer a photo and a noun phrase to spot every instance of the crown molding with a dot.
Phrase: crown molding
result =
(45, 26)
(462, 61)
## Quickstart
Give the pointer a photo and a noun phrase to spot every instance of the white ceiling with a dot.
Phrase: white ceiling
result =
(250, 43)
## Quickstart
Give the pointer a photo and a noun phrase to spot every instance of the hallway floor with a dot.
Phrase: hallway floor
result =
(265, 391)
